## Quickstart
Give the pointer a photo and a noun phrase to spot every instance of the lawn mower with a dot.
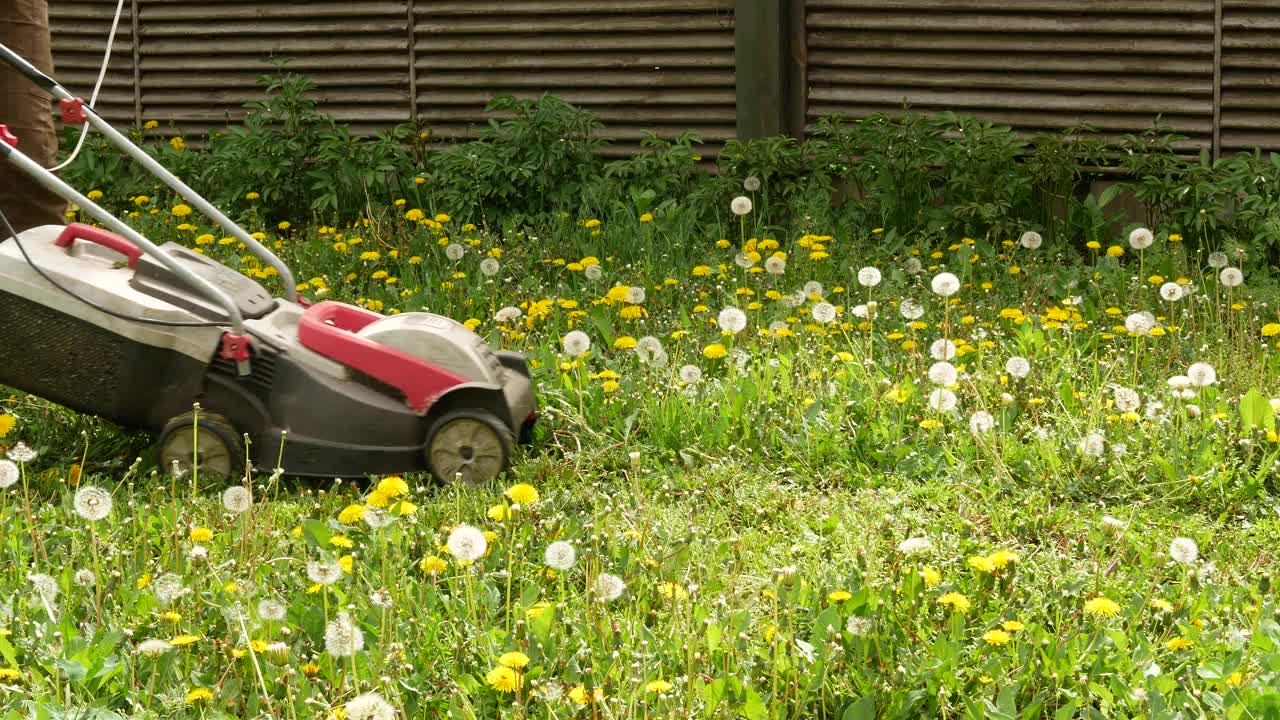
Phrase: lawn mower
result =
(162, 338)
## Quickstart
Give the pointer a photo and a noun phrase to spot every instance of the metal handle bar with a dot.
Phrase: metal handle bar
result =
(155, 168)
(54, 185)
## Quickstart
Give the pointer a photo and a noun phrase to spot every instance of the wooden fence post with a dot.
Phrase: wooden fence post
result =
(760, 39)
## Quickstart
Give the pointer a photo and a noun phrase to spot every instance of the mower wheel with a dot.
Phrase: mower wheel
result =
(217, 447)
(471, 444)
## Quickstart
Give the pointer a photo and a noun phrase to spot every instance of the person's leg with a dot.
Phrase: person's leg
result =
(28, 112)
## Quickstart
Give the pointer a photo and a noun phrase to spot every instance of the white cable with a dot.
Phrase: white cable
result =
(93, 99)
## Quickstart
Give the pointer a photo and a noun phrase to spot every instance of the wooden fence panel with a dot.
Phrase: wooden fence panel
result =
(1036, 65)
(662, 65)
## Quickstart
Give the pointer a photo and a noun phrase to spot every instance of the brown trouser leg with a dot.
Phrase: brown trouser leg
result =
(27, 110)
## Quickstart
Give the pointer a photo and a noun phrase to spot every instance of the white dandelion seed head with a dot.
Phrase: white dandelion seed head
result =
(813, 288)
(324, 572)
(455, 251)
(1231, 277)
(593, 272)
(236, 499)
(550, 692)
(910, 309)
(942, 350)
(21, 453)
(1126, 399)
(270, 610)
(376, 518)
(1179, 382)
(1112, 524)
(369, 706)
(732, 320)
(609, 587)
(1218, 260)
(1092, 445)
(92, 503)
(508, 314)
(915, 546)
(861, 311)
(1006, 399)
(381, 598)
(945, 284)
(659, 358)
(1202, 374)
(690, 374)
(824, 312)
(942, 400)
(560, 556)
(857, 626)
(1171, 292)
(168, 587)
(1031, 240)
(43, 586)
(9, 474)
(1184, 551)
(342, 638)
(913, 266)
(635, 295)
(751, 184)
(744, 262)
(490, 267)
(740, 205)
(647, 348)
(1141, 239)
(1140, 323)
(467, 543)
(942, 373)
(1018, 367)
(869, 277)
(775, 265)
(154, 647)
(981, 422)
(84, 578)
(740, 358)
(576, 342)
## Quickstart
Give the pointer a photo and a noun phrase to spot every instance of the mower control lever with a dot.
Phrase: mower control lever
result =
(80, 231)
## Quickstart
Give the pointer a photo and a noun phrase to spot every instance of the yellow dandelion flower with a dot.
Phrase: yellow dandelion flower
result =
(1012, 625)
(714, 351)
(658, 686)
(503, 679)
(433, 565)
(1102, 607)
(523, 493)
(351, 514)
(201, 534)
(932, 578)
(342, 541)
(996, 638)
(393, 486)
(1179, 643)
(514, 659)
(839, 596)
(185, 640)
(199, 695)
(955, 601)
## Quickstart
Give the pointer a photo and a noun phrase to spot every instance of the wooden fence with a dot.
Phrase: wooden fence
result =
(723, 68)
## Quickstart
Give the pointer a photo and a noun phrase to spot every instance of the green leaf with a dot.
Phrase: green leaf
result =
(864, 709)
(1255, 411)
(316, 533)
(753, 708)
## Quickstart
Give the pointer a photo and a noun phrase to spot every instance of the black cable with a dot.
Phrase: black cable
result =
(119, 316)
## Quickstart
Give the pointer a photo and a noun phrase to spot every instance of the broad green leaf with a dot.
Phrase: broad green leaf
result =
(864, 709)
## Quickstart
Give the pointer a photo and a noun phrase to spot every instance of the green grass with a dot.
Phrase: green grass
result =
(756, 516)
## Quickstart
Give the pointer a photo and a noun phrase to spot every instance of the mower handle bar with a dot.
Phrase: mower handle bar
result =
(55, 185)
(119, 140)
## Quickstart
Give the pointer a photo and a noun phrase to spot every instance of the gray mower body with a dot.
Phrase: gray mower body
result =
(330, 420)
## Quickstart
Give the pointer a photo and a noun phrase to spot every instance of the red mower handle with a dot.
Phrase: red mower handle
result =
(98, 236)
(329, 328)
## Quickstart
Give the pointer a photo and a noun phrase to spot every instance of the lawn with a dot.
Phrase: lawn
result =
(783, 470)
